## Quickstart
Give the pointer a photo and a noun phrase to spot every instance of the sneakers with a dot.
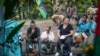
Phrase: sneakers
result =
(57, 54)
(30, 47)
(70, 54)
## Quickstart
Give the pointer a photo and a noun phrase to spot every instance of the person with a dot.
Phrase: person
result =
(72, 11)
(12, 48)
(93, 28)
(20, 39)
(58, 11)
(83, 28)
(65, 33)
(47, 37)
(33, 33)
(92, 11)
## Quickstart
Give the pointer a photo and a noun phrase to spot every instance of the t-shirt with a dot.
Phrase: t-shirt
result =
(50, 36)
(66, 30)
(36, 34)
(82, 27)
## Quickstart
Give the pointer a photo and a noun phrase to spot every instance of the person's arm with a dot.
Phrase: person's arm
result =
(54, 9)
(58, 31)
(29, 32)
(64, 11)
(63, 8)
(93, 27)
(88, 26)
(70, 34)
(75, 9)
(20, 34)
(38, 32)
(51, 37)
(93, 30)
(68, 10)
(88, 10)
(42, 37)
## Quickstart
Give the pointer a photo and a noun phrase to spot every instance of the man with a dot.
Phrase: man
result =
(72, 11)
(92, 11)
(58, 11)
(33, 33)
(47, 37)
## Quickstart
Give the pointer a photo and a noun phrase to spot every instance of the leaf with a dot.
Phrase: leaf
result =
(13, 32)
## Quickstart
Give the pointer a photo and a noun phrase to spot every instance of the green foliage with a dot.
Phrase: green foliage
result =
(1, 2)
(13, 32)
(27, 9)
(9, 12)
(83, 5)
(9, 6)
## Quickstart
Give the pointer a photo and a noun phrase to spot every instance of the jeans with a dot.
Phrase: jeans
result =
(67, 44)
(48, 45)
(31, 42)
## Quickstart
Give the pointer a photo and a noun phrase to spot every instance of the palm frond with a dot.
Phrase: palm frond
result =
(13, 32)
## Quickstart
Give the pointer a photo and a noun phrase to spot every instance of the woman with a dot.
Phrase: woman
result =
(65, 33)
(14, 47)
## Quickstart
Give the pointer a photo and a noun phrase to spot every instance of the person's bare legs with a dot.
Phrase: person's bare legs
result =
(60, 19)
(57, 19)
(54, 18)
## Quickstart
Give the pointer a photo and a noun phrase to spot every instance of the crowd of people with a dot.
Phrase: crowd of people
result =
(66, 34)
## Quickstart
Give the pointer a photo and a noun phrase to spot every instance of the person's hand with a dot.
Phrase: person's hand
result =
(36, 39)
(59, 36)
(8, 45)
(62, 36)
(32, 31)
(83, 31)
(46, 39)
(66, 35)
(93, 31)
(51, 40)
